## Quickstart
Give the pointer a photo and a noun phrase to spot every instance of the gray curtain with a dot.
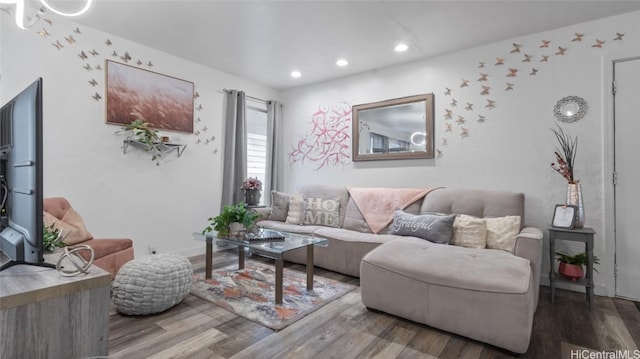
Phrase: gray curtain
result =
(235, 148)
(274, 158)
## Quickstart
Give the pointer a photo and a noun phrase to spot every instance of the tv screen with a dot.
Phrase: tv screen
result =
(21, 177)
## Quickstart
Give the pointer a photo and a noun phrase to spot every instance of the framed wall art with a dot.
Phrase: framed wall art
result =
(132, 93)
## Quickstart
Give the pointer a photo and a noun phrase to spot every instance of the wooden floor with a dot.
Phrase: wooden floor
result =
(344, 328)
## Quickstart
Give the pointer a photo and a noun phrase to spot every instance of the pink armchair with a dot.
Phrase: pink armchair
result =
(109, 254)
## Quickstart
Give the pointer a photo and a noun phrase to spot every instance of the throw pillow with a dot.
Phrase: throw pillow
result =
(432, 227)
(322, 211)
(296, 209)
(470, 232)
(279, 206)
(502, 232)
(71, 227)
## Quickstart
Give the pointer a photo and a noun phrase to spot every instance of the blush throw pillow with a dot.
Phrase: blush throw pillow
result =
(279, 206)
(432, 227)
(502, 232)
(470, 232)
(71, 227)
(296, 209)
(322, 211)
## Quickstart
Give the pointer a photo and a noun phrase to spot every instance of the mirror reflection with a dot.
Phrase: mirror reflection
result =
(394, 129)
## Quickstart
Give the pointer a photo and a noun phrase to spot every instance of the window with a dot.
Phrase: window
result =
(257, 140)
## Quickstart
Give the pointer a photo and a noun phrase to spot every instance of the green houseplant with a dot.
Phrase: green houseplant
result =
(230, 214)
(141, 131)
(51, 238)
(571, 265)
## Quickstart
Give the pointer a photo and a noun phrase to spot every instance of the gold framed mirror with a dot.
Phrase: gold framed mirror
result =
(400, 128)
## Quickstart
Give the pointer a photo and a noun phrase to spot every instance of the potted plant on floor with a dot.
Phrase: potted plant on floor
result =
(223, 222)
(571, 266)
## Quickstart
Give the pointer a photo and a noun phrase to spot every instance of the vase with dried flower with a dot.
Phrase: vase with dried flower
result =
(252, 188)
(565, 161)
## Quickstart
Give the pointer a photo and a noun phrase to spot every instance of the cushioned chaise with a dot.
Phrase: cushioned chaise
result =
(487, 295)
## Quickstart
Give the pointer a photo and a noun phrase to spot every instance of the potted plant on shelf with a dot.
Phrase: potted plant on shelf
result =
(252, 188)
(141, 132)
(571, 265)
(222, 223)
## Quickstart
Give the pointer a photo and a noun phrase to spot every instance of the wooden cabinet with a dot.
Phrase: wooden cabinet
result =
(46, 315)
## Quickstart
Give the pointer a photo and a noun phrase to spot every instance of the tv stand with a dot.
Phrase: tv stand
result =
(15, 263)
(47, 315)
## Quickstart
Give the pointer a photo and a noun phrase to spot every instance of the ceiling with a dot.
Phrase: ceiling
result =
(264, 41)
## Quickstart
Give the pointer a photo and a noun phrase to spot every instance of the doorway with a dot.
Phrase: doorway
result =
(626, 130)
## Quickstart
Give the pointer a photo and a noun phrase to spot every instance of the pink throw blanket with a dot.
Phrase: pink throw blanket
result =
(378, 204)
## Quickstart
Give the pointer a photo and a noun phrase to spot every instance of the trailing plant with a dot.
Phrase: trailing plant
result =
(51, 238)
(238, 213)
(579, 259)
(142, 132)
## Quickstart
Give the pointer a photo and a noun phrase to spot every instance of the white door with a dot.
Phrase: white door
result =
(627, 171)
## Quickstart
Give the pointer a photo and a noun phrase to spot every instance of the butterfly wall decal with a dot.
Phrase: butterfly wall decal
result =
(43, 32)
(448, 114)
(509, 86)
(447, 127)
(114, 53)
(83, 55)
(527, 58)
(77, 31)
(545, 43)
(483, 77)
(48, 21)
(469, 106)
(447, 91)
(512, 72)
(58, 44)
(464, 83)
(464, 132)
(460, 120)
(93, 82)
(533, 72)
(444, 141)
(485, 90)
(454, 102)
(481, 119)
(439, 153)
(108, 42)
(97, 97)
(88, 67)
(598, 43)
(618, 36)
(578, 37)
(480, 64)
(70, 39)
(126, 57)
(499, 61)
(94, 53)
(545, 58)
(561, 50)
(490, 104)
(516, 48)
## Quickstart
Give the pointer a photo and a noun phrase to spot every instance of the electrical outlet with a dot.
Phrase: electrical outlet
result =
(152, 250)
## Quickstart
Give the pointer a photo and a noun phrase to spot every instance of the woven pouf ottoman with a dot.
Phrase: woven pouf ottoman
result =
(152, 284)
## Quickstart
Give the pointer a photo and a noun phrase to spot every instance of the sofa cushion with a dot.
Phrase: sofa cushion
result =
(327, 191)
(285, 227)
(485, 270)
(470, 232)
(322, 211)
(432, 227)
(502, 232)
(474, 202)
(296, 209)
(104, 247)
(71, 226)
(279, 206)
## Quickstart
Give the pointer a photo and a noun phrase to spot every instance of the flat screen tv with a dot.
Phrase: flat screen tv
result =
(21, 182)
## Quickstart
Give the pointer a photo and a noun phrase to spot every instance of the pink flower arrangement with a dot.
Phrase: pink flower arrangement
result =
(252, 183)
(566, 155)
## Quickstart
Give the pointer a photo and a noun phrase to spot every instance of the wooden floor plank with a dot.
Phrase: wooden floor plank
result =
(344, 328)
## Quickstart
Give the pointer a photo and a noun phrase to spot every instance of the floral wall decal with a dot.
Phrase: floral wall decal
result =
(328, 142)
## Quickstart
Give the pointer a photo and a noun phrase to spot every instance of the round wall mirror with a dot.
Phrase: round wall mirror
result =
(570, 109)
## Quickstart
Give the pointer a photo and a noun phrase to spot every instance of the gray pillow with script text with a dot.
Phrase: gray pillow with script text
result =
(435, 228)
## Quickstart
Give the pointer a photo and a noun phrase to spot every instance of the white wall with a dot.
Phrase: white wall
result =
(119, 195)
(513, 149)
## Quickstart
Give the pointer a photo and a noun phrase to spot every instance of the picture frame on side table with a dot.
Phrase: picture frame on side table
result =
(564, 216)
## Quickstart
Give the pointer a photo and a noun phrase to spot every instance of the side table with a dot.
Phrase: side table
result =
(584, 235)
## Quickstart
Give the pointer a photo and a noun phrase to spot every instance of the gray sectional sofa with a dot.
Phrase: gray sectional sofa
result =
(488, 295)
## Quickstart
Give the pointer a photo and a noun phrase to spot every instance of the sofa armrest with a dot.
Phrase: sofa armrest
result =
(263, 213)
(529, 246)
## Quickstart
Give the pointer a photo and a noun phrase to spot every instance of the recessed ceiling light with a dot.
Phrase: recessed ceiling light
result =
(342, 62)
(401, 47)
(296, 73)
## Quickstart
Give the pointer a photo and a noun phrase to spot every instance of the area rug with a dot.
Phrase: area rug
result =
(250, 293)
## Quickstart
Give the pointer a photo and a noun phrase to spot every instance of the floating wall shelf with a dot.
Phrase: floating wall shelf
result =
(161, 147)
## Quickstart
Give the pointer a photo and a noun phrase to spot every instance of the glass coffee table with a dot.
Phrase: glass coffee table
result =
(272, 248)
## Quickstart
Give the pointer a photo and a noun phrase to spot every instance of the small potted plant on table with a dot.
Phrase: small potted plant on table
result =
(571, 265)
(238, 214)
